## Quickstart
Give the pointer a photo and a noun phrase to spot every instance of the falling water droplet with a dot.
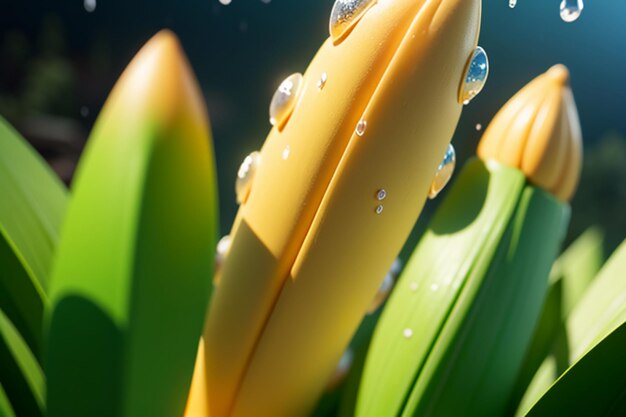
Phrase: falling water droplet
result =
(512, 3)
(284, 100)
(345, 15)
(245, 176)
(571, 10)
(479, 127)
(90, 5)
(413, 286)
(361, 127)
(379, 209)
(444, 173)
(381, 194)
(434, 287)
(321, 83)
(408, 333)
(223, 246)
(476, 77)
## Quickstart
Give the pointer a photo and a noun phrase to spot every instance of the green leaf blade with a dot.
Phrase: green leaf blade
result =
(31, 212)
(134, 269)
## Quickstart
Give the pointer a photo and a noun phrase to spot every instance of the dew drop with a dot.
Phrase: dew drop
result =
(571, 10)
(408, 333)
(381, 194)
(345, 15)
(512, 3)
(284, 100)
(444, 173)
(321, 83)
(379, 209)
(361, 127)
(286, 152)
(223, 247)
(245, 176)
(476, 76)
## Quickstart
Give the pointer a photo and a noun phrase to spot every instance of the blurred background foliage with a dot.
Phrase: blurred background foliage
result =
(59, 60)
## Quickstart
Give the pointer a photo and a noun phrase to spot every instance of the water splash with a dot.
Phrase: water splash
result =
(571, 10)
(476, 77)
(345, 15)
(444, 173)
(284, 100)
(245, 176)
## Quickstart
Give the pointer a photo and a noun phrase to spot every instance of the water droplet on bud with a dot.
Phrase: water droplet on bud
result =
(245, 176)
(345, 15)
(444, 173)
(476, 77)
(361, 127)
(284, 100)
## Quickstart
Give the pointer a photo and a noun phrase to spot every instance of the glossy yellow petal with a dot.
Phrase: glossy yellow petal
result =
(309, 248)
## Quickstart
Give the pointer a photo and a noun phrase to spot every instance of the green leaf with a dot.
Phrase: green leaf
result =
(31, 211)
(21, 376)
(600, 311)
(472, 366)
(134, 269)
(457, 248)
(594, 386)
(5, 406)
(571, 275)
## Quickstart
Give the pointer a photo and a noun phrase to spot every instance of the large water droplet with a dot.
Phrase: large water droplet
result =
(476, 77)
(346, 14)
(284, 100)
(444, 173)
(245, 176)
(571, 10)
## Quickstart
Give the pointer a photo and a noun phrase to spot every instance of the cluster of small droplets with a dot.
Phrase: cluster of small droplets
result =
(380, 196)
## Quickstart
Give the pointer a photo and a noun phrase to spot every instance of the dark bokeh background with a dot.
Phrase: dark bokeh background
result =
(59, 61)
